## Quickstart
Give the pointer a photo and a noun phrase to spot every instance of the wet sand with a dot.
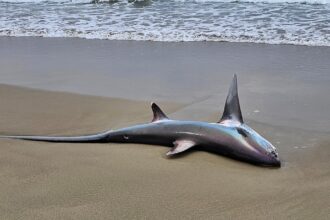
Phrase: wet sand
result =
(284, 97)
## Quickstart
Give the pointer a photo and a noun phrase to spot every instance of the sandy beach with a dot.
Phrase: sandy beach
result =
(56, 86)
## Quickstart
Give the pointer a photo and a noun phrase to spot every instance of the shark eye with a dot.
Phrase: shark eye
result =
(242, 132)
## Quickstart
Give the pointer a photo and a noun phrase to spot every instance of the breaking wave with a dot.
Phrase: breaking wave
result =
(170, 20)
(189, 1)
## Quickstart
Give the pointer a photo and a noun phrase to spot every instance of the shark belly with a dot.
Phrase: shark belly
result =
(163, 133)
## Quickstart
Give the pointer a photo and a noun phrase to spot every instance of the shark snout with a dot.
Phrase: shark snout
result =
(273, 159)
(277, 163)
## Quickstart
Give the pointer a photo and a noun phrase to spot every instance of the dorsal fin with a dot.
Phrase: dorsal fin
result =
(158, 113)
(232, 110)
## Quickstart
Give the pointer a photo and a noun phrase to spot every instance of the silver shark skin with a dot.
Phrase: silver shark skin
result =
(230, 136)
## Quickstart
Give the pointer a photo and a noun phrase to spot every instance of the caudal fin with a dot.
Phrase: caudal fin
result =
(101, 137)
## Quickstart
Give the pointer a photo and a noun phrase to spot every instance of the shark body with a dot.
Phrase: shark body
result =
(230, 136)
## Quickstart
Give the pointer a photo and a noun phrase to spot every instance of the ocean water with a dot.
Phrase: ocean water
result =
(301, 22)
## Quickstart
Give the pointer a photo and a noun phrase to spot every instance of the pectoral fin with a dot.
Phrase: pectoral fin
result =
(180, 146)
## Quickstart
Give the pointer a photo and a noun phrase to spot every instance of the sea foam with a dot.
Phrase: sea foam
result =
(172, 20)
(189, 1)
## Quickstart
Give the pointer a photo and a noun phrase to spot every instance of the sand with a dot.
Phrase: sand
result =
(130, 181)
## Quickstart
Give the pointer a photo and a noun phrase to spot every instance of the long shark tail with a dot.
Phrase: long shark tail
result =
(94, 138)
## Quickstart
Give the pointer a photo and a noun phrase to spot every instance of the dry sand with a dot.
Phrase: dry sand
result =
(128, 181)
(284, 96)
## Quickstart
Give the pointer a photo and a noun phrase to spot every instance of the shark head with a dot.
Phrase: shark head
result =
(249, 145)
(253, 147)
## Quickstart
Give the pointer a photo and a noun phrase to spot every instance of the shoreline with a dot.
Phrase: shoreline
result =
(196, 74)
(160, 41)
